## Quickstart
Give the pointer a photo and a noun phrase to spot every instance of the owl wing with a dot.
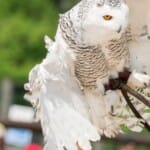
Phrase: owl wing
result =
(55, 93)
(139, 53)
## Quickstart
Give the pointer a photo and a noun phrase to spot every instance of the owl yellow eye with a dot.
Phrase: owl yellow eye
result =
(107, 17)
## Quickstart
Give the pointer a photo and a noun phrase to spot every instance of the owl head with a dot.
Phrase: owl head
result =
(102, 20)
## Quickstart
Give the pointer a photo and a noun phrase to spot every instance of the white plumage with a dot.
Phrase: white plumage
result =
(139, 51)
(60, 98)
(140, 25)
(67, 87)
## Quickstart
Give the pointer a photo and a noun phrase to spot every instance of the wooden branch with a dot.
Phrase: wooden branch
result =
(32, 126)
(137, 95)
(138, 139)
(133, 109)
(133, 138)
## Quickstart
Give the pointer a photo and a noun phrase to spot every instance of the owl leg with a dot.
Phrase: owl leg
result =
(111, 97)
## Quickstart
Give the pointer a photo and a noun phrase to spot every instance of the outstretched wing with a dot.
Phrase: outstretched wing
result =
(54, 91)
(139, 53)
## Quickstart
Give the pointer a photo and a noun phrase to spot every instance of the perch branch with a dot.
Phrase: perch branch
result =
(137, 95)
(124, 91)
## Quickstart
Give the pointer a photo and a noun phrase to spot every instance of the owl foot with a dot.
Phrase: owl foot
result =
(109, 131)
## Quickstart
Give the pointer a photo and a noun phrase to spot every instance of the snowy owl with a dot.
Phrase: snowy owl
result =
(67, 88)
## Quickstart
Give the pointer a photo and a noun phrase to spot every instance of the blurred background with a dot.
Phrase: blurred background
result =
(23, 24)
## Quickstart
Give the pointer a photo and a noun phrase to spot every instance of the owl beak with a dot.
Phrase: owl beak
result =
(119, 29)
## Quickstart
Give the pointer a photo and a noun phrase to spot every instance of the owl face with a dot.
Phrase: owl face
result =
(104, 22)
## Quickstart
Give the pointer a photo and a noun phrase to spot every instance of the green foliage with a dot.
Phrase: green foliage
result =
(125, 129)
(114, 145)
(23, 25)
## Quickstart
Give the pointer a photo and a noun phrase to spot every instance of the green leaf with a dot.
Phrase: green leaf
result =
(125, 129)
(23, 26)
(146, 110)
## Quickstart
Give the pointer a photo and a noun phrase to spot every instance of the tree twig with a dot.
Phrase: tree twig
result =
(136, 113)
(137, 95)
